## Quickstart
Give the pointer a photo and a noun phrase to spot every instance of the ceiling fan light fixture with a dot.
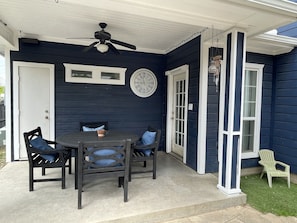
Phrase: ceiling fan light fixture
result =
(102, 48)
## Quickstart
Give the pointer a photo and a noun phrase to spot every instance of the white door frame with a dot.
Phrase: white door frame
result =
(169, 124)
(16, 121)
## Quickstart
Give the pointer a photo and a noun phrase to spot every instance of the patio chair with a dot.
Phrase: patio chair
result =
(42, 155)
(104, 159)
(273, 168)
(145, 149)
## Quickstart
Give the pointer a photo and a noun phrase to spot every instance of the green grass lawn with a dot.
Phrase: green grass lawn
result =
(279, 200)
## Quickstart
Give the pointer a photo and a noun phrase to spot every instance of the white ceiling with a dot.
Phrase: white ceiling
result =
(152, 25)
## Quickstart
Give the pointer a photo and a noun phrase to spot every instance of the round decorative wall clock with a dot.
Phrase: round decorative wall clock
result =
(143, 82)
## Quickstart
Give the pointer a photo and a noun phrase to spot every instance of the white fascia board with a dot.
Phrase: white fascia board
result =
(268, 51)
(278, 38)
(271, 44)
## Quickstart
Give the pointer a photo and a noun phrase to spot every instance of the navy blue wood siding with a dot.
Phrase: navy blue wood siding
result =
(77, 102)
(189, 54)
(116, 104)
(212, 127)
(267, 94)
(285, 110)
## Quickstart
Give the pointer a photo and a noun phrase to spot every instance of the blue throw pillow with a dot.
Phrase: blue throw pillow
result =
(88, 129)
(148, 138)
(40, 143)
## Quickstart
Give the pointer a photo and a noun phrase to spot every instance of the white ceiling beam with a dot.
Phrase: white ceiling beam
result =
(6, 35)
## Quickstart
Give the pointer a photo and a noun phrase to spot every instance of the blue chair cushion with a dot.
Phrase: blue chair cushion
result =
(88, 129)
(105, 162)
(147, 138)
(40, 143)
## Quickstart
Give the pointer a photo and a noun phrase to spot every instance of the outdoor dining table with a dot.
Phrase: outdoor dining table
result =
(72, 140)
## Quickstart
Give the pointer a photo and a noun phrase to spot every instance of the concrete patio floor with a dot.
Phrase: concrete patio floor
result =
(238, 214)
(177, 193)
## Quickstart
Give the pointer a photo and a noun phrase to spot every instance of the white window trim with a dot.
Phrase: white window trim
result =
(96, 74)
(259, 69)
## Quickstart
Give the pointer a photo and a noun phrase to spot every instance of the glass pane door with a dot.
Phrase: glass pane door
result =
(179, 116)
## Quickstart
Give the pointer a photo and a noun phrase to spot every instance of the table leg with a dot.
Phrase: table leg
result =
(76, 168)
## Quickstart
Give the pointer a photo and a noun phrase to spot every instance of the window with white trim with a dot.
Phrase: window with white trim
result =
(78, 73)
(251, 110)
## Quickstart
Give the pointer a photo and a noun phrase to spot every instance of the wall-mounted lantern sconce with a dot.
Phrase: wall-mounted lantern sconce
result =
(215, 62)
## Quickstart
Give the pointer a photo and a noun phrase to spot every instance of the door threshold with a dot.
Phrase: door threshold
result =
(175, 155)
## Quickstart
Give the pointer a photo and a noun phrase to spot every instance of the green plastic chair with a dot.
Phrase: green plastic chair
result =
(270, 166)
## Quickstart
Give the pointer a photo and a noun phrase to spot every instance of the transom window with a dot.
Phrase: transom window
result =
(78, 73)
(251, 115)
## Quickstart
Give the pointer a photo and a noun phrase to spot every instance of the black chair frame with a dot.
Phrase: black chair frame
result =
(36, 161)
(88, 163)
(138, 155)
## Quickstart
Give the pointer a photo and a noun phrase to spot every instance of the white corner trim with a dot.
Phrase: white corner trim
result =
(8, 106)
(202, 113)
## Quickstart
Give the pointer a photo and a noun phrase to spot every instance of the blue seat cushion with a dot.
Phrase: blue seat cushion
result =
(147, 138)
(105, 162)
(40, 143)
(88, 129)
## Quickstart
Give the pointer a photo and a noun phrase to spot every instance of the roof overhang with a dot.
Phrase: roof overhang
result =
(271, 44)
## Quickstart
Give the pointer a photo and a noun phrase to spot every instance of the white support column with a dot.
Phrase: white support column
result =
(202, 114)
(230, 148)
(8, 112)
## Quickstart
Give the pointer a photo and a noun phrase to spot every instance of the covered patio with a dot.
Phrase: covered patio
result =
(185, 36)
(177, 192)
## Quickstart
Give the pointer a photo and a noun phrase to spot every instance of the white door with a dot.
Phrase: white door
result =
(33, 100)
(178, 133)
(177, 99)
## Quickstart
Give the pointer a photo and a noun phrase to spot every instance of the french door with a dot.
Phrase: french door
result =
(177, 111)
(178, 137)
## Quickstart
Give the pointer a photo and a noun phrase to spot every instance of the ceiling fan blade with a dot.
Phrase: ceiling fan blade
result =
(112, 48)
(123, 44)
(81, 38)
(90, 46)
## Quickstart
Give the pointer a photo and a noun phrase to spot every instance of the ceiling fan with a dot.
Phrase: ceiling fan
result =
(104, 41)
